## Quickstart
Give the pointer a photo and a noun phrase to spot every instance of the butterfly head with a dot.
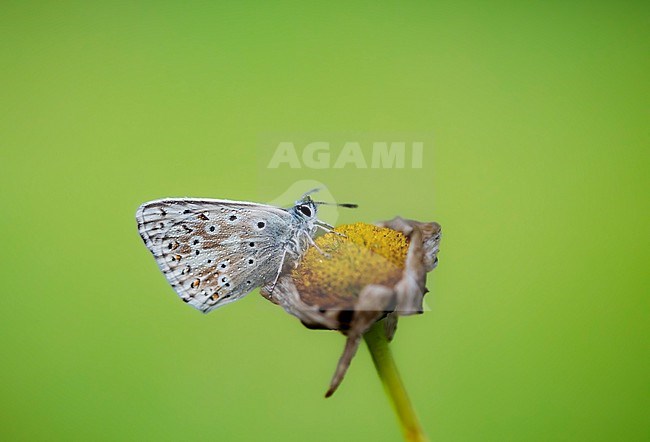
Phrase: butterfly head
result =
(305, 209)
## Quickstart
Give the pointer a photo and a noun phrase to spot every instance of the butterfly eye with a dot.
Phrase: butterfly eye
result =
(305, 210)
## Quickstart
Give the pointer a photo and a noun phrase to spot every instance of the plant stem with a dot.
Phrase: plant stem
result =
(382, 357)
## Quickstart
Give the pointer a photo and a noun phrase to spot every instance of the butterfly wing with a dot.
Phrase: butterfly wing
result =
(214, 252)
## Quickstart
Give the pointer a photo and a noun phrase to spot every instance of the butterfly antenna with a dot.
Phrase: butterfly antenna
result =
(346, 205)
(306, 194)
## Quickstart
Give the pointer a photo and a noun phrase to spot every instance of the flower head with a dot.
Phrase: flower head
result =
(354, 256)
(356, 275)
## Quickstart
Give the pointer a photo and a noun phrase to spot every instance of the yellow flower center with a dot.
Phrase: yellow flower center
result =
(357, 255)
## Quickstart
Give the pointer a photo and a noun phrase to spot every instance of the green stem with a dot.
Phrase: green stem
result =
(387, 370)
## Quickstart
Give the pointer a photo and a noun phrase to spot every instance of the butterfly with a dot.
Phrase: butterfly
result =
(214, 252)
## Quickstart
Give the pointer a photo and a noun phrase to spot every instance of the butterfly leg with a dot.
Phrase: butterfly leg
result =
(323, 225)
(275, 281)
(328, 228)
(311, 241)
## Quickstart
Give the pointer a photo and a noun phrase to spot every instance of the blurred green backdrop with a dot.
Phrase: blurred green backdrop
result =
(538, 172)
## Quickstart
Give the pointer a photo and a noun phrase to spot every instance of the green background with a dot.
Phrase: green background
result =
(538, 328)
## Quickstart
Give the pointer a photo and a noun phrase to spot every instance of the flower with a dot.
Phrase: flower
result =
(357, 275)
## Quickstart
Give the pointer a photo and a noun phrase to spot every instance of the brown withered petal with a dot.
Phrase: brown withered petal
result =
(357, 276)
